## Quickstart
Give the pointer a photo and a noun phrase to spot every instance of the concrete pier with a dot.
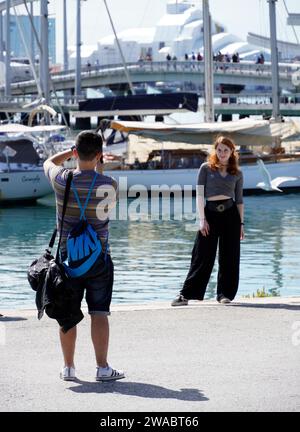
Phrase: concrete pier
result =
(201, 357)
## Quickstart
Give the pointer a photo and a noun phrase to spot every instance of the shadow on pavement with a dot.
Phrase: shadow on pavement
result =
(139, 389)
(266, 306)
(10, 318)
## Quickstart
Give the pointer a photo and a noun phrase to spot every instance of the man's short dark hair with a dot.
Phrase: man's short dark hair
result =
(88, 145)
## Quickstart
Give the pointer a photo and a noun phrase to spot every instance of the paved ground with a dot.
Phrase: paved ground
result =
(203, 357)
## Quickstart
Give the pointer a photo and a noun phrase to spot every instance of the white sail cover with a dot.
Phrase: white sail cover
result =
(243, 132)
(18, 128)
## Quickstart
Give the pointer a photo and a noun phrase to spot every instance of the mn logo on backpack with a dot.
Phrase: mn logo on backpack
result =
(84, 247)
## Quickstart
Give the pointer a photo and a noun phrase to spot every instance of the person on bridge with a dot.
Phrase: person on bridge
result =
(168, 58)
(260, 61)
(220, 181)
(174, 60)
(89, 67)
(235, 58)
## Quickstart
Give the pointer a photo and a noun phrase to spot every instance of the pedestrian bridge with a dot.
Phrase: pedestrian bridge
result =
(189, 72)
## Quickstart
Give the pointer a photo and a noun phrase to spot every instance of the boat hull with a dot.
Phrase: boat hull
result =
(153, 179)
(31, 185)
(23, 185)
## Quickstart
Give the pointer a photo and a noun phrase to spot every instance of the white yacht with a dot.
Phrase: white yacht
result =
(22, 155)
(163, 154)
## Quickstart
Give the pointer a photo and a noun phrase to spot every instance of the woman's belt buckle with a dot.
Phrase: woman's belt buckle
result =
(220, 208)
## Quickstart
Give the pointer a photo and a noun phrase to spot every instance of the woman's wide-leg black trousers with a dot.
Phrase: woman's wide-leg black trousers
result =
(225, 228)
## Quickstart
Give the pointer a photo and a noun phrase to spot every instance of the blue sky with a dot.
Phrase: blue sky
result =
(238, 16)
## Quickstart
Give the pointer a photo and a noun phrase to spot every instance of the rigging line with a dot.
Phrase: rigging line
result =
(130, 51)
(27, 53)
(35, 76)
(260, 21)
(295, 33)
(263, 26)
(285, 49)
(132, 48)
(31, 21)
(120, 50)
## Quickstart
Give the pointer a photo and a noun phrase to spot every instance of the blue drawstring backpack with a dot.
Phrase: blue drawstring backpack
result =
(84, 247)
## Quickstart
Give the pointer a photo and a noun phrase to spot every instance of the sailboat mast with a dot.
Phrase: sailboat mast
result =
(44, 55)
(274, 61)
(1, 37)
(66, 62)
(78, 50)
(7, 51)
(209, 115)
(32, 33)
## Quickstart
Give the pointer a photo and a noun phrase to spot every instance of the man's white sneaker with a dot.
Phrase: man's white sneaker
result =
(68, 373)
(108, 374)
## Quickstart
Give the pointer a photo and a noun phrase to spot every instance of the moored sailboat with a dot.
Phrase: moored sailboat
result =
(22, 155)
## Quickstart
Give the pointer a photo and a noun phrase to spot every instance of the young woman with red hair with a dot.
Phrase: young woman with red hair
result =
(220, 183)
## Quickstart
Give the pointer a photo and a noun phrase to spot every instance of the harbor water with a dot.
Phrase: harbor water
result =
(152, 257)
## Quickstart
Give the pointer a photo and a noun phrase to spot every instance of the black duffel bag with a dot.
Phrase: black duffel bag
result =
(37, 270)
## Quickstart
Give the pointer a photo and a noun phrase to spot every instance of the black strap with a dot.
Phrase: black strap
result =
(66, 197)
(67, 190)
(53, 237)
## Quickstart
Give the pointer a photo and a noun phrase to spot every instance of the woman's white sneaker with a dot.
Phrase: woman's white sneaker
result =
(223, 300)
(179, 301)
(108, 374)
(68, 373)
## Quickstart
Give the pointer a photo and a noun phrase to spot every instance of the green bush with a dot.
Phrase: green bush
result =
(262, 293)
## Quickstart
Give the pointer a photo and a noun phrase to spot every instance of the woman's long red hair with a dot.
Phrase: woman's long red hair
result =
(233, 162)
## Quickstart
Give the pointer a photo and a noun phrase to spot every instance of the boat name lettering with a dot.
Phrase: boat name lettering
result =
(35, 179)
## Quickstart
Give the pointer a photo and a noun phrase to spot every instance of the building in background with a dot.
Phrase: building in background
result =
(179, 34)
(17, 47)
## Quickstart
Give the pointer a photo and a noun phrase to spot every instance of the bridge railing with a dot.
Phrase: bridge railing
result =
(175, 66)
(176, 70)
(255, 99)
